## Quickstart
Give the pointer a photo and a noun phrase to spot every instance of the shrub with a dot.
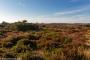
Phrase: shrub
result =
(9, 41)
(27, 27)
(67, 40)
(9, 55)
(21, 46)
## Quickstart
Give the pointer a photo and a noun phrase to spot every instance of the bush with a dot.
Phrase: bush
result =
(9, 41)
(21, 46)
(9, 55)
(67, 40)
(27, 27)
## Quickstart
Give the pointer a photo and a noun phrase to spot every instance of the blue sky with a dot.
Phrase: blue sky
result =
(45, 11)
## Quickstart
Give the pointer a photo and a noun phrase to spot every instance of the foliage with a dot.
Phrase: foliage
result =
(32, 41)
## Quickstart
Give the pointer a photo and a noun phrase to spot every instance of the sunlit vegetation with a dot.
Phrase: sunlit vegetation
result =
(32, 41)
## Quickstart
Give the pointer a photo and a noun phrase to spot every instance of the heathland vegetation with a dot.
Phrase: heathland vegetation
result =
(39, 41)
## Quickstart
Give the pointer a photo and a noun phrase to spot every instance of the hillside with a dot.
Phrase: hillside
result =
(39, 41)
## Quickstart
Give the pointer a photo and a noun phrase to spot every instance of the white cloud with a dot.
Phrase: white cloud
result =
(73, 19)
(83, 9)
(62, 17)
(58, 17)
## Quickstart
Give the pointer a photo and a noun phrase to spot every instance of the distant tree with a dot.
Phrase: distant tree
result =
(24, 21)
(4, 23)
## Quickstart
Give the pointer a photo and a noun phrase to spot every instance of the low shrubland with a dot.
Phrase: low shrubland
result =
(30, 41)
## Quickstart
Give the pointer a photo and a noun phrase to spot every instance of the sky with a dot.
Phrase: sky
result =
(45, 11)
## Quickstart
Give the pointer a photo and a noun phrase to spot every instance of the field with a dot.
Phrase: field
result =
(40, 41)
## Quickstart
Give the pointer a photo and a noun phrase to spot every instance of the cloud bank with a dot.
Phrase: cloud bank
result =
(79, 15)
